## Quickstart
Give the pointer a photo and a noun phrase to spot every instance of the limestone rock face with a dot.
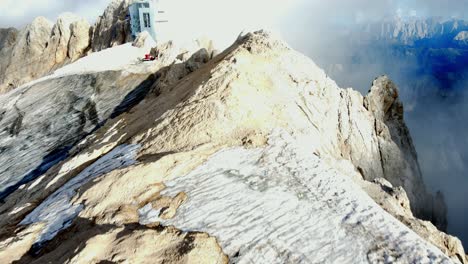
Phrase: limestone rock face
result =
(8, 39)
(42, 47)
(398, 156)
(79, 39)
(113, 27)
(24, 56)
(89, 243)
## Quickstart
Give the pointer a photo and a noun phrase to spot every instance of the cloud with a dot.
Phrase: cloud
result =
(18, 13)
(221, 20)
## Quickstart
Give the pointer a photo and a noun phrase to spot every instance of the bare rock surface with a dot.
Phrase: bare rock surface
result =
(397, 153)
(255, 147)
(41, 47)
(86, 242)
(112, 28)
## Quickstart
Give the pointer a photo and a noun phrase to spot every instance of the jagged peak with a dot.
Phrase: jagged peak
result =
(40, 21)
(68, 18)
(260, 40)
(381, 97)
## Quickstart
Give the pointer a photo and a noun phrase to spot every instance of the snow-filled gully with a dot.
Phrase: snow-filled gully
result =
(57, 211)
(282, 204)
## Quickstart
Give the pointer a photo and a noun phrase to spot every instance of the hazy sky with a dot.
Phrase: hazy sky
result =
(221, 19)
(17, 13)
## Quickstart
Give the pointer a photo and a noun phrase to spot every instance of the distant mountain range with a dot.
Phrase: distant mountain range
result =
(430, 32)
(428, 55)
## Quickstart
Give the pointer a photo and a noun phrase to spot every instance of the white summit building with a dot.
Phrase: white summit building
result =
(142, 17)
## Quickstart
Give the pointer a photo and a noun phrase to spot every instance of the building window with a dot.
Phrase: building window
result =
(146, 20)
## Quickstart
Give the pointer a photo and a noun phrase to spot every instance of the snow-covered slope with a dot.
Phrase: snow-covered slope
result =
(283, 204)
(57, 210)
(43, 119)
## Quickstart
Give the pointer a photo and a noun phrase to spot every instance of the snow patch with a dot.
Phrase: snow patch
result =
(283, 204)
(123, 57)
(36, 182)
(57, 211)
(148, 215)
(115, 58)
(19, 209)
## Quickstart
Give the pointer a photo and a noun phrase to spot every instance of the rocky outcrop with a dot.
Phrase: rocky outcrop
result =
(130, 243)
(29, 43)
(398, 156)
(42, 47)
(79, 39)
(8, 39)
(112, 27)
(255, 146)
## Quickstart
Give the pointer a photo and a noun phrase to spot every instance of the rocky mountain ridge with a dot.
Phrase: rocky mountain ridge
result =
(410, 31)
(258, 96)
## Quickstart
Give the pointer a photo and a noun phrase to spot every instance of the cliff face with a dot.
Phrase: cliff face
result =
(42, 47)
(7, 40)
(256, 147)
(398, 156)
(112, 28)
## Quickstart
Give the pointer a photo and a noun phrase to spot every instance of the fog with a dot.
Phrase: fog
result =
(437, 115)
(18, 13)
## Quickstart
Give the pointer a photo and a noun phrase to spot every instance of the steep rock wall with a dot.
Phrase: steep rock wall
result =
(42, 47)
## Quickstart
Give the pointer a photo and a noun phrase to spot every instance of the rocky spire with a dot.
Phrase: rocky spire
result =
(112, 27)
(398, 155)
(42, 46)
